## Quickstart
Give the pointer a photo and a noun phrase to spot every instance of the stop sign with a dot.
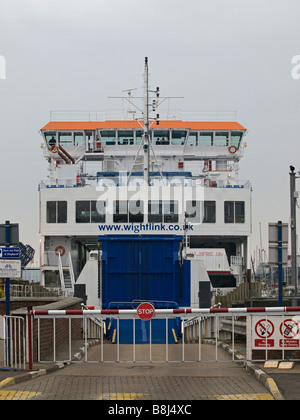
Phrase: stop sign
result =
(145, 311)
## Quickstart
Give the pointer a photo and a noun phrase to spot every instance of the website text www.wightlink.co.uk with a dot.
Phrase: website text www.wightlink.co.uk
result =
(144, 227)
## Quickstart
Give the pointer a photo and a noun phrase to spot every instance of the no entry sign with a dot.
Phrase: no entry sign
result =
(145, 311)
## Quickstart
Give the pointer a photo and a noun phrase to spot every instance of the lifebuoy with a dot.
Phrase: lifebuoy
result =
(54, 149)
(232, 149)
(60, 250)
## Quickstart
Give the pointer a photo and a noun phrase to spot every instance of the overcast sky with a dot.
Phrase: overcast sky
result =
(218, 54)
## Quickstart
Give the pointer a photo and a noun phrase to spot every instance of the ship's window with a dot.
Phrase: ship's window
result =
(239, 212)
(162, 211)
(221, 139)
(120, 212)
(192, 139)
(56, 212)
(178, 137)
(161, 137)
(108, 137)
(170, 211)
(98, 211)
(78, 139)
(155, 211)
(138, 136)
(234, 212)
(83, 211)
(236, 137)
(50, 138)
(90, 211)
(206, 139)
(125, 137)
(201, 211)
(136, 211)
(89, 137)
(209, 212)
(193, 211)
(65, 139)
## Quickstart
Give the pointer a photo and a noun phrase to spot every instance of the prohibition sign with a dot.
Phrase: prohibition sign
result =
(145, 311)
(289, 328)
(264, 328)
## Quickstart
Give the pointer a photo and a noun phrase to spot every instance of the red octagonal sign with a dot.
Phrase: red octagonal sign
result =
(145, 311)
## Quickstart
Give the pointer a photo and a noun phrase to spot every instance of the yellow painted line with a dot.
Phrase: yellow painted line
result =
(235, 397)
(121, 396)
(274, 389)
(17, 395)
(7, 382)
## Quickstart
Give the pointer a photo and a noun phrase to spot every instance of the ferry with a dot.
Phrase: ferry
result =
(144, 208)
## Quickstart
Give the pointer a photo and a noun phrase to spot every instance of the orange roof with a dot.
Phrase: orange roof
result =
(120, 124)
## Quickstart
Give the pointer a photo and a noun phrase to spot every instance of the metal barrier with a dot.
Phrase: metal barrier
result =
(14, 342)
(197, 324)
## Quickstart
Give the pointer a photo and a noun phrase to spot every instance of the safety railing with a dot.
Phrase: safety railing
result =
(14, 342)
(271, 333)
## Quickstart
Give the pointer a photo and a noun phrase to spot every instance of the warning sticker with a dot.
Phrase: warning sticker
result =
(264, 329)
(289, 329)
(276, 332)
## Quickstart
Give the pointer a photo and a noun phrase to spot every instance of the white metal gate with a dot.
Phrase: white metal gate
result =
(197, 324)
(14, 342)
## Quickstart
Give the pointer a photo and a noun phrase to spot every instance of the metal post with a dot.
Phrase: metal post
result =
(30, 354)
(146, 124)
(293, 230)
(279, 226)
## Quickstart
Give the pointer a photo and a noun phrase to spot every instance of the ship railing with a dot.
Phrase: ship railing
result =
(94, 180)
(165, 114)
(50, 259)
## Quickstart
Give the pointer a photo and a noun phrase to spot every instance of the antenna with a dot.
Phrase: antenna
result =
(130, 112)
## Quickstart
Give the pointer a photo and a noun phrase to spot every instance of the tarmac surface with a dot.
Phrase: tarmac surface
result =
(149, 381)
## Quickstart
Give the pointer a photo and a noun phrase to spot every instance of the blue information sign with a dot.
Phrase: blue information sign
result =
(10, 253)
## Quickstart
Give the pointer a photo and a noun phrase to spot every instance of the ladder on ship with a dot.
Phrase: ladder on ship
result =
(66, 274)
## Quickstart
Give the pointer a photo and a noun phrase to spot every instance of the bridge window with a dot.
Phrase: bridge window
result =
(125, 137)
(65, 139)
(236, 137)
(221, 139)
(50, 137)
(206, 139)
(234, 211)
(78, 139)
(89, 136)
(108, 137)
(56, 212)
(192, 139)
(90, 211)
(178, 137)
(161, 137)
(138, 136)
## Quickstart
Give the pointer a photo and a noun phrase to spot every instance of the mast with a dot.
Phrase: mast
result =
(146, 124)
